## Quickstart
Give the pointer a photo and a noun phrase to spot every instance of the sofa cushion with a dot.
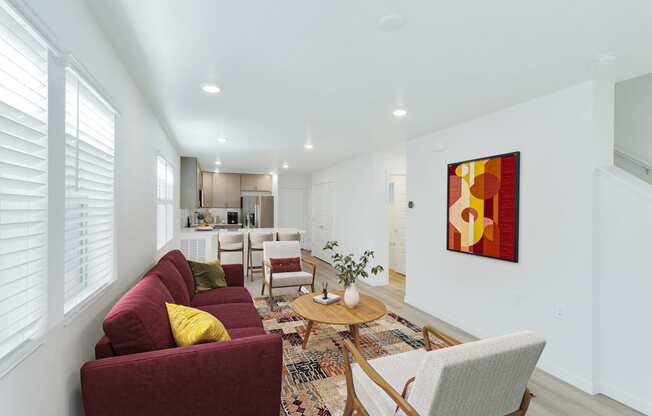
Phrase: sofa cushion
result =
(172, 279)
(235, 315)
(246, 332)
(222, 296)
(179, 260)
(191, 326)
(139, 321)
(208, 275)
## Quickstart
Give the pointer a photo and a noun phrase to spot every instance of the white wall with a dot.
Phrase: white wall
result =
(488, 297)
(634, 126)
(360, 203)
(47, 382)
(291, 187)
(624, 225)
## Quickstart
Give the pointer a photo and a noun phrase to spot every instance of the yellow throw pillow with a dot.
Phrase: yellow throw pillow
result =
(191, 326)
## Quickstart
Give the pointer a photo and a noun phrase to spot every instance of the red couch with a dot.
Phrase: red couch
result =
(139, 370)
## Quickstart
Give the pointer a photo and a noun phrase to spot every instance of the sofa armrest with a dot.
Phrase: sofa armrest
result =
(234, 274)
(239, 377)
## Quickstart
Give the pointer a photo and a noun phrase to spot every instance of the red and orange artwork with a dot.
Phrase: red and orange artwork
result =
(483, 206)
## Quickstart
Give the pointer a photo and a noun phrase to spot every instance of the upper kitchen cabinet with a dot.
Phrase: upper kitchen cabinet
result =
(189, 183)
(207, 189)
(221, 190)
(260, 183)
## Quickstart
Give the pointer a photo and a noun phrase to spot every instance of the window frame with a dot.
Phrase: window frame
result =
(167, 202)
(70, 312)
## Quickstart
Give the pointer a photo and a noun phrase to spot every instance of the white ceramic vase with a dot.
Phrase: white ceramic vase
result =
(351, 296)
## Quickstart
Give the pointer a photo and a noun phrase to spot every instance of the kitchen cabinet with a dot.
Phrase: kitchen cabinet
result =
(221, 190)
(259, 183)
(189, 183)
(207, 189)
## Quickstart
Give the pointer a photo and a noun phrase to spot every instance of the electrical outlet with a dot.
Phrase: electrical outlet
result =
(560, 312)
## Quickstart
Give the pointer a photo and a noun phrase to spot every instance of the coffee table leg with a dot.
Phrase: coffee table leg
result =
(356, 336)
(307, 335)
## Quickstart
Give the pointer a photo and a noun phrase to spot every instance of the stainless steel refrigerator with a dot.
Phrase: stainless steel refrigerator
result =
(258, 211)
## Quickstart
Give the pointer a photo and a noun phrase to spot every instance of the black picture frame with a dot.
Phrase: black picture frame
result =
(517, 203)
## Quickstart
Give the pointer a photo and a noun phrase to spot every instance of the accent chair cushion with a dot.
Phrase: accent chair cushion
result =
(138, 322)
(172, 279)
(290, 279)
(396, 370)
(285, 265)
(180, 262)
(209, 275)
(192, 326)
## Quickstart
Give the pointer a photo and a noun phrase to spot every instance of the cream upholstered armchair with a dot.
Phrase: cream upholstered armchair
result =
(481, 378)
(273, 279)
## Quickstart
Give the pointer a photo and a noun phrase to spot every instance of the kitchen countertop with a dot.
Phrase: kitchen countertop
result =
(191, 232)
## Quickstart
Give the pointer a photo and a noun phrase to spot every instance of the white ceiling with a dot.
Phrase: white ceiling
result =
(293, 68)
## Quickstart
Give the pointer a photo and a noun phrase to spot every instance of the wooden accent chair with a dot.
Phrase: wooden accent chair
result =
(281, 250)
(482, 378)
(255, 245)
(230, 242)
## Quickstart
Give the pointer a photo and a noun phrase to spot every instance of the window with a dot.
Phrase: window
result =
(23, 188)
(165, 202)
(90, 140)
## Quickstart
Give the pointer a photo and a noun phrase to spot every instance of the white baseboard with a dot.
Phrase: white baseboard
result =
(638, 403)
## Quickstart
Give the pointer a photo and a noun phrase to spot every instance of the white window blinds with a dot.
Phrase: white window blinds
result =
(165, 202)
(90, 140)
(23, 187)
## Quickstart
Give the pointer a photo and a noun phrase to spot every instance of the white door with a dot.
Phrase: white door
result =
(397, 222)
(323, 196)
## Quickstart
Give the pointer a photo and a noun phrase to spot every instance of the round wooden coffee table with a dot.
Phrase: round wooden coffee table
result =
(369, 309)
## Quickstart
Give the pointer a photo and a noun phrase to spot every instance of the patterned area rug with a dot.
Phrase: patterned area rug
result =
(313, 379)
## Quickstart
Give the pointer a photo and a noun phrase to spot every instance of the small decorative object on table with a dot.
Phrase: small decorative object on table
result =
(326, 298)
(348, 270)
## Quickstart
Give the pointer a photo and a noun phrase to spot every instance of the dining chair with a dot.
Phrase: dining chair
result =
(230, 242)
(255, 245)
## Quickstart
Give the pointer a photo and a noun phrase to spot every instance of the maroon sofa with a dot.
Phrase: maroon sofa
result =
(139, 370)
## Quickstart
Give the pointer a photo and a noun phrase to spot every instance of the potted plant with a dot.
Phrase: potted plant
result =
(349, 270)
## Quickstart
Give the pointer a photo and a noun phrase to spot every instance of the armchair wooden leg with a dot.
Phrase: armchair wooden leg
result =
(350, 392)
(262, 288)
(271, 301)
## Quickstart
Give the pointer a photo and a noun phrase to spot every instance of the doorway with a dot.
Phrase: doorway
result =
(397, 226)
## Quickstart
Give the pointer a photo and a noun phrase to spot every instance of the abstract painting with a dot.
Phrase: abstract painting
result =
(483, 206)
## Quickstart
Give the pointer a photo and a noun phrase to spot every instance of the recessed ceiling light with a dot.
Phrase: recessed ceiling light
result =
(400, 112)
(308, 146)
(222, 139)
(216, 170)
(211, 88)
(271, 173)
(285, 165)
(218, 162)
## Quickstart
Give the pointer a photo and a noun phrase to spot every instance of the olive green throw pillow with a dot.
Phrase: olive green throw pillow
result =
(208, 275)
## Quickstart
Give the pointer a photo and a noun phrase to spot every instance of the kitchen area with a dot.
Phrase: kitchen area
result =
(217, 203)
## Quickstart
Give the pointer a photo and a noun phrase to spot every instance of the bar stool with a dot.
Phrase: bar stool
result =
(256, 244)
(288, 236)
(230, 243)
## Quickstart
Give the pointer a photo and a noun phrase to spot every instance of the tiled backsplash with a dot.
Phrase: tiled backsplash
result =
(218, 213)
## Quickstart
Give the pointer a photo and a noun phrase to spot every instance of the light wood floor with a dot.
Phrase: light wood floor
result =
(553, 397)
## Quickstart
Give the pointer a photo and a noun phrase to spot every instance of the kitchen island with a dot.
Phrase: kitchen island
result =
(202, 245)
